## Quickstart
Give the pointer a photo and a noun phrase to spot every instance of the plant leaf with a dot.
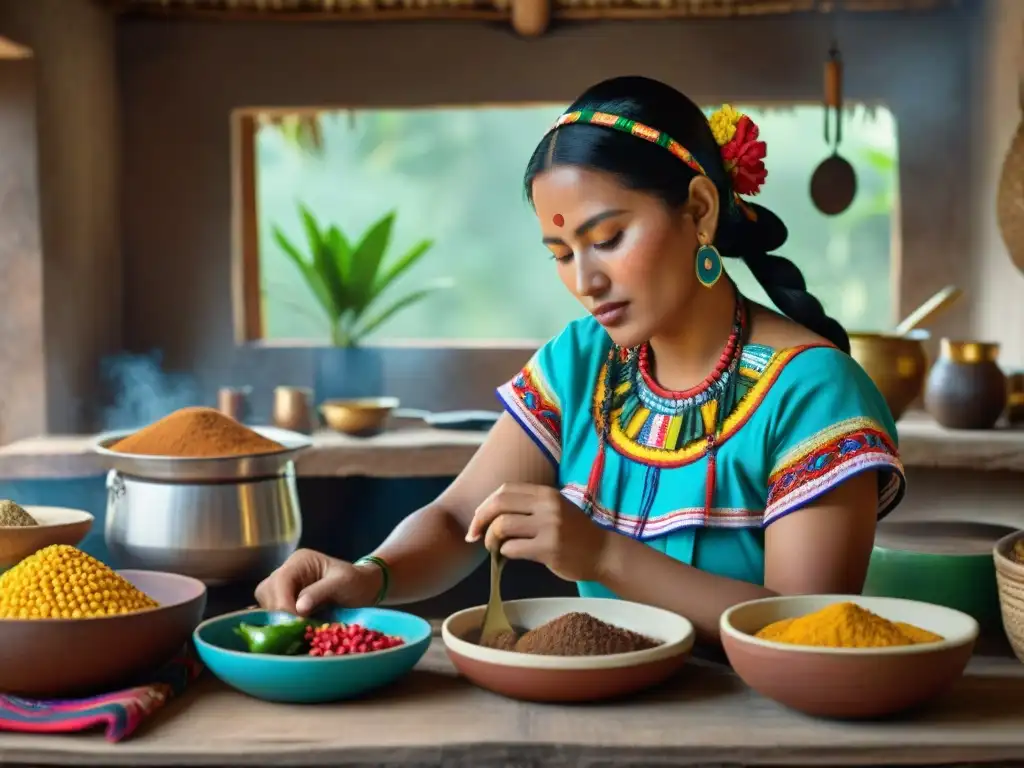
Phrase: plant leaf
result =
(341, 248)
(309, 274)
(366, 260)
(394, 271)
(399, 304)
(324, 262)
(881, 161)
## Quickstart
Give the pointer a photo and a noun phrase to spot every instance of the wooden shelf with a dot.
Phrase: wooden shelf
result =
(411, 452)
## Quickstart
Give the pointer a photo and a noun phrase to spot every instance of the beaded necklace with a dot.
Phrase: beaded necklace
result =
(703, 407)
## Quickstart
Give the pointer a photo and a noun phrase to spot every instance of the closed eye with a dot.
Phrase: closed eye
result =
(610, 244)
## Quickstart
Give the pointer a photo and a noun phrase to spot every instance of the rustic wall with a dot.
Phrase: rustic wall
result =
(22, 410)
(998, 307)
(180, 82)
(75, 152)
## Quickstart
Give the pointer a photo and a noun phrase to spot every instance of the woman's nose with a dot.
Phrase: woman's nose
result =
(590, 280)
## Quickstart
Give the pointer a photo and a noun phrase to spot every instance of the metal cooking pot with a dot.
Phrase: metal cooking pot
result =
(218, 520)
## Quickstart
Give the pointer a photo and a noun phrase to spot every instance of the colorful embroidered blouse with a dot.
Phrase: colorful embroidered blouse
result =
(808, 419)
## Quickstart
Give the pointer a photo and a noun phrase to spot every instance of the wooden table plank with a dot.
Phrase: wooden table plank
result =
(704, 716)
(419, 452)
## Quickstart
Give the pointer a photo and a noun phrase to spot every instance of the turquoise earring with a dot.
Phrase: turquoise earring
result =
(709, 262)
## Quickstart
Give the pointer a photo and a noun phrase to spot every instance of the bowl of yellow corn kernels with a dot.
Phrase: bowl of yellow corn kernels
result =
(70, 625)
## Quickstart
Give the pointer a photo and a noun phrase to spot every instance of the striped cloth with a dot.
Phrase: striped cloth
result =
(119, 713)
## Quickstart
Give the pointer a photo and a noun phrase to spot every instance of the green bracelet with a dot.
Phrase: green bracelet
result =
(385, 574)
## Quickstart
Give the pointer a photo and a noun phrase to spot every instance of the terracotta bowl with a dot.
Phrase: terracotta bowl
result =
(57, 525)
(47, 658)
(569, 678)
(361, 417)
(848, 682)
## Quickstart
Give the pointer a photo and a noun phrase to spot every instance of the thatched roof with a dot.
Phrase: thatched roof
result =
(340, 9)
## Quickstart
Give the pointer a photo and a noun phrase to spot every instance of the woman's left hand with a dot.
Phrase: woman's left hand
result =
(533, 522)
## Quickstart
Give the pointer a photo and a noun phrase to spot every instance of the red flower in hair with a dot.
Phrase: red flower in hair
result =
(744, 158)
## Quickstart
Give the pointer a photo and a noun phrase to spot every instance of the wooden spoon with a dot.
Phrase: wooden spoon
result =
(937, 304)
(496, 632)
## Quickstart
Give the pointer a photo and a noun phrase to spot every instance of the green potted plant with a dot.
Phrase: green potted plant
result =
(351, 282)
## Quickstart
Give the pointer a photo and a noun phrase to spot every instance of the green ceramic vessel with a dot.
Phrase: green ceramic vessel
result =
(942, 563)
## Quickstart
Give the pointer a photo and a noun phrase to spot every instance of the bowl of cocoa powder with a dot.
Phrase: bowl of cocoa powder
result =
(569, 649)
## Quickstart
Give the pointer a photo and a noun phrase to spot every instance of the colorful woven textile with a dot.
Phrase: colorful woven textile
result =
(119, 713)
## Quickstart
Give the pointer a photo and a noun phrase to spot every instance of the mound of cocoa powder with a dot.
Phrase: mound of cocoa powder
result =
(580, 634)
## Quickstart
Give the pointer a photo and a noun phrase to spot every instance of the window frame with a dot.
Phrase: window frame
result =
(247, 304)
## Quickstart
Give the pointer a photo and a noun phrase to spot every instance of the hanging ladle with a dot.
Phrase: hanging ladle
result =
(834, 182)
(940, 302)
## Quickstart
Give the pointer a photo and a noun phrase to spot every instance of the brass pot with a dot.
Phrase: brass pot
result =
(896, 364)
(966, 387)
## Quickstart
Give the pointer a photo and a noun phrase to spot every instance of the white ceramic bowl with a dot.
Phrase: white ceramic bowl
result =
(848, 682)
(570, 678)
(57, 525)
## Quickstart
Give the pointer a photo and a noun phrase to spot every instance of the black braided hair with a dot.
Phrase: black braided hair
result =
(648, 167)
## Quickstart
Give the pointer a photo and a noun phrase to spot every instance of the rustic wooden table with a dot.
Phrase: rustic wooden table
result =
(705, 716)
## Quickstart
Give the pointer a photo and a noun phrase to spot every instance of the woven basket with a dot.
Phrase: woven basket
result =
(1010, 580)
(1010, 198)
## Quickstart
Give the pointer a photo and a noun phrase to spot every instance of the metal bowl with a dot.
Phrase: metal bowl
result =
(203, 470)
(896, 364)
(361, 417)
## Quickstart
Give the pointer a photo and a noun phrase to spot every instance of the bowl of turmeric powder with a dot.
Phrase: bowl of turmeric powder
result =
(71, 626)
(844, 656)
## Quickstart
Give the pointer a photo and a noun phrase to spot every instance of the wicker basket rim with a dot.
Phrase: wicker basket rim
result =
(1006, 565)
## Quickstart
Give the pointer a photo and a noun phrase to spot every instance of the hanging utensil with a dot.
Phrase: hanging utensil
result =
(940, 302)
(834, 182)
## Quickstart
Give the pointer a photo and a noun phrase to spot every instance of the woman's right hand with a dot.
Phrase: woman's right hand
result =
(308, 580)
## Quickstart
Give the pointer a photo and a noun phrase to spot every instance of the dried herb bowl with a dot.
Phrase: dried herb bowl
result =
(311, 679)
(56, 525)
(848, 683)
(532, 677)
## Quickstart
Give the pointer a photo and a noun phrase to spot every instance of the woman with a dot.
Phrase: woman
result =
(680, 446)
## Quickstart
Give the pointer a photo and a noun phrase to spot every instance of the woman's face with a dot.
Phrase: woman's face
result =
(623, 254)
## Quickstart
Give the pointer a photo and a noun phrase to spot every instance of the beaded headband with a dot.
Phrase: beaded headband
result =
(737, 135)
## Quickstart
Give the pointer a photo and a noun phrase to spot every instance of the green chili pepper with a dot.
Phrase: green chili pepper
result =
(284, 639)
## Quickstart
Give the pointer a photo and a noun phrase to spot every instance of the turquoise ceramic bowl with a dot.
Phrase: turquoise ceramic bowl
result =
(309, 679)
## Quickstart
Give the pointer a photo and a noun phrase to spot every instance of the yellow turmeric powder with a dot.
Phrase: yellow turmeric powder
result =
(845, 625)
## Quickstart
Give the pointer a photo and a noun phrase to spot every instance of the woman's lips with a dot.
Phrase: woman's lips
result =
(611, 314)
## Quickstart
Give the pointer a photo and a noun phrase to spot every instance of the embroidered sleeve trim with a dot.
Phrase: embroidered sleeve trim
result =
(528, 398)
(822, 462)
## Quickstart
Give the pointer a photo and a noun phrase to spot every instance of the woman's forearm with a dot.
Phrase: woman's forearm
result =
(636, 572)
(427, 554)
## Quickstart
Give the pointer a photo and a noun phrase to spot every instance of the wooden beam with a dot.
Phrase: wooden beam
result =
(491, 11)
(247, 299)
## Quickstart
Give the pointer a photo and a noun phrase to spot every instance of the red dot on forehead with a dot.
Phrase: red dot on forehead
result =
(558, 220)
